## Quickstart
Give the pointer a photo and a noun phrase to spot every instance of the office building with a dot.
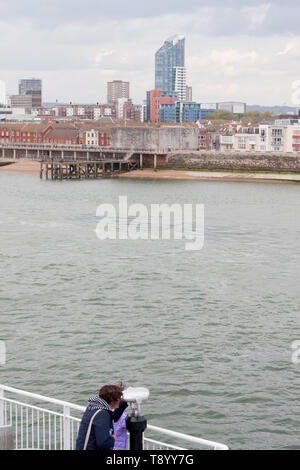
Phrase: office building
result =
(21, 101)
(33, 88)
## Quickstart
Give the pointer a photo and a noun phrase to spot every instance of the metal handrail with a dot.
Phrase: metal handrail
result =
(79, 147)
(68, 420)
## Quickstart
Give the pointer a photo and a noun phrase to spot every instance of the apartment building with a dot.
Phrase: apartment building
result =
(169, 57)
(179, 82)
(117, 89)
(273, 138)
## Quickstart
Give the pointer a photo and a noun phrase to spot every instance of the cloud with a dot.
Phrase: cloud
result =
(76, 50)
(292, 48)
(100, 55)
(232, 56)
(257, 15)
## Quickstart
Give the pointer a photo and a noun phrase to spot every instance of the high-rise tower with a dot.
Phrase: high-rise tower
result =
(117, 89)
(170, 67)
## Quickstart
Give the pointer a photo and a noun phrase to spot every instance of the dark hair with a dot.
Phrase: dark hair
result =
(110, 393)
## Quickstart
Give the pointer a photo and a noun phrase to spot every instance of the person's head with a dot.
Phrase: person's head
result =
(112, 394)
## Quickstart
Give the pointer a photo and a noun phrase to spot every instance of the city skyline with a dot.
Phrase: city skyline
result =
(244, 51)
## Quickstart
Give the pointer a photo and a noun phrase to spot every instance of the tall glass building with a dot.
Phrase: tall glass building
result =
(33, 87)
(169, 59)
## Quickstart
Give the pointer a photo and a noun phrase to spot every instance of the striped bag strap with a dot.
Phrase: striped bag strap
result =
(89, 430)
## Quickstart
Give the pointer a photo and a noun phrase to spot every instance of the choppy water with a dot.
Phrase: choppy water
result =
(208, 332)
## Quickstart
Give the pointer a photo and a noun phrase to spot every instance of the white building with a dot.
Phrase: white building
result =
(293, 138)
(208, 106)
(120, 107)
(226, 142)
(246, 142)
(69, 111)
(279, 138)
(97, 113)
(2, 93)
(234, 107)
(179, 82)
(92, 138)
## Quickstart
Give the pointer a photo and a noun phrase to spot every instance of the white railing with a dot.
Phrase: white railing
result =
(56, 427)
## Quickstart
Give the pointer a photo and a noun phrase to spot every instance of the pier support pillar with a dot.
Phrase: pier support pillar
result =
(155, 162)
(15, 154)
(141, 161)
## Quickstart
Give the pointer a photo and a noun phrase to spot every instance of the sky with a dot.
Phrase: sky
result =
(235, 50)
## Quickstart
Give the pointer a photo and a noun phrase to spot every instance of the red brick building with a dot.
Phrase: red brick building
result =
(205, 140)
(156, 100)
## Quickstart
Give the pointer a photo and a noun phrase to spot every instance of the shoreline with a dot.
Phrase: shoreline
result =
(33, 167)
(211, 175)
(20, 166)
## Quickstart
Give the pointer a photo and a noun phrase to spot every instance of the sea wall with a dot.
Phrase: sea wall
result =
(211, 160)
(162, 139)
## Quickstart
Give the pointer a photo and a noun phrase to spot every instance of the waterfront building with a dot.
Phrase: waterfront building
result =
(117, 89)
(205, 140)
(169, 56)
(279, 138)
(246, 142)
(225, 142)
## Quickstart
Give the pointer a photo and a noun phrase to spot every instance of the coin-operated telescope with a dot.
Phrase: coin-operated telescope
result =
(136, 423)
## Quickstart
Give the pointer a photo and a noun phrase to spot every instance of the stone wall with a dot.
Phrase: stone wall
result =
(267, 161)
(162, 139)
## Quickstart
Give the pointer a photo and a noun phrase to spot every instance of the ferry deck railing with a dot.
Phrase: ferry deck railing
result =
(55, 427)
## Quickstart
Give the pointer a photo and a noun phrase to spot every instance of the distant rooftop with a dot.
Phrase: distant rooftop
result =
(174, 39)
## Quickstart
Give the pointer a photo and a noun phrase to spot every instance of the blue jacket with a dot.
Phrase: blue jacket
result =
(102, 427)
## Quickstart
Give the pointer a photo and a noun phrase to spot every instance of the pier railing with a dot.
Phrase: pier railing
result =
(55, 426)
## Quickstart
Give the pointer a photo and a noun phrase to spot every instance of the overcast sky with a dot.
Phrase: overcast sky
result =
(235, 50)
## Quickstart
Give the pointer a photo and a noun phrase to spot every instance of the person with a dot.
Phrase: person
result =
(99, 417)
(121, 432)
(120, 424)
